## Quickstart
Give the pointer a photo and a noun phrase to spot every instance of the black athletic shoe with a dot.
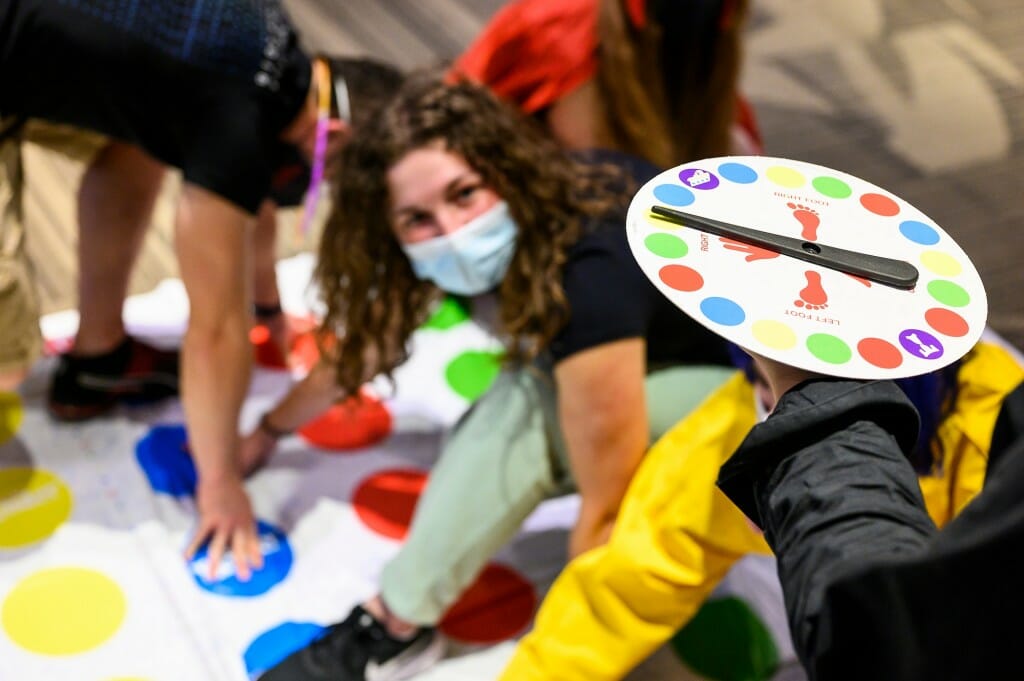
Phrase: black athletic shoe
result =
(134, 372)
(360, 649)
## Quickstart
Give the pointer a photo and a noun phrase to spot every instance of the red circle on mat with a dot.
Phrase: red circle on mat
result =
(386, 501)
(266, 353)
(355, 423)
(946, 322)
(495, 608)
(882, 354)
(880, 205)
(302, 350)
(681, 277)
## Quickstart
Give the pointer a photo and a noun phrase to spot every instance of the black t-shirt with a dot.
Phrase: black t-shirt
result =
(206, 87)
(610, 298)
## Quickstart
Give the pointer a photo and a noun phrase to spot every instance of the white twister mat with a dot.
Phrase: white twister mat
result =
(94, 518)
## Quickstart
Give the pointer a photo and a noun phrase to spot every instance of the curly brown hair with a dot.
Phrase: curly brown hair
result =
(687, 111)
(374, 300)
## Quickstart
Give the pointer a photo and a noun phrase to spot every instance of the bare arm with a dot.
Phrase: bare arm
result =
(603, 414)
(306, 400)
(212, 239)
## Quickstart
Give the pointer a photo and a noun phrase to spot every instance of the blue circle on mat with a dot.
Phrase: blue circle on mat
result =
(673, 194)
(722, 311)
(273, 645)
(277, 562)
(919, 232)
(737, 172)
(164, 457)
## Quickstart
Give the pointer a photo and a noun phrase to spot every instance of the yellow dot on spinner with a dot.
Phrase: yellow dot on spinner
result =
(785, 177)
(33, 504)
(658, 223)
(941, 263)
(63, 611)
(773, 334)
(11, 414)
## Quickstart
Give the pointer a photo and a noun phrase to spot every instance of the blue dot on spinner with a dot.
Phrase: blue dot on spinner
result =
(673, 194)
(919, 232)
(722, 311)
(738, 173)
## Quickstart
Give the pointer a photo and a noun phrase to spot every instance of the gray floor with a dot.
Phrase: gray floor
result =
(922, 97)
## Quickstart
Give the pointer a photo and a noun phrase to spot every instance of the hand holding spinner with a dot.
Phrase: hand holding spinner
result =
(808, 266)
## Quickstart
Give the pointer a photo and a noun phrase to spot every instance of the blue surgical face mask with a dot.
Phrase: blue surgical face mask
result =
(471, 260)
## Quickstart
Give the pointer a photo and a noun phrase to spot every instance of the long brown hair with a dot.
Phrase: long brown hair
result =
(669, 86)
(374, 301)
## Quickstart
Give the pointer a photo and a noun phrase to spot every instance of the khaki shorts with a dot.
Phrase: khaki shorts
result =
(20, 338)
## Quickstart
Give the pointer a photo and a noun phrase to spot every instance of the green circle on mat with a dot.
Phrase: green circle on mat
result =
(832, 187)
(451, 312)
(727, 641)
(471, 373)
(948, 293)
(828, 348)
(666, 245)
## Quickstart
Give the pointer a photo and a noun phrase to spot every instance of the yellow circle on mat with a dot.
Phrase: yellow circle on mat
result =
(11, 413)
(33, 504)
(63, 611)
(785, 177)
(941, 263)
(774, 334)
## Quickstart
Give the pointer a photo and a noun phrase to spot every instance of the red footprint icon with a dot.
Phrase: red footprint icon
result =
(812, 296)
(808, 219)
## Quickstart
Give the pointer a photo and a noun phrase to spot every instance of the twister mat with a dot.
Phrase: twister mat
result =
(94, 518)
(814, 305)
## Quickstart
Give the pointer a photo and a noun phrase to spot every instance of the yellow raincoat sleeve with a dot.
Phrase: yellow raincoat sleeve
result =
(676, 537)
(987, 375)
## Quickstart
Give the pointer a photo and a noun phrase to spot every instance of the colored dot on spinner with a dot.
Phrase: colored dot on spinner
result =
(698, 178)
(722, 311)
(785, 177)
(666, 245)
(63, 611)
(673, 195)
(880, 353)
(829, 348)
(920, 343)
(941, 263)
(832, 187)
(948, 293)
(947, 322)
(681, 278)
(879, 204)
(919, 232)
(773, 334)
(738, 173)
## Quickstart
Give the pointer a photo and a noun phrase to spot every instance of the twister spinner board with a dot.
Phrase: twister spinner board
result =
(794, 287)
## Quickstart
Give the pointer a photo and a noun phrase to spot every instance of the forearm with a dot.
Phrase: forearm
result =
(216, 365)
(306, 400)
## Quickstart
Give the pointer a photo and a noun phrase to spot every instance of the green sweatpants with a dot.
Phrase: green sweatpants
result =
(504, 457)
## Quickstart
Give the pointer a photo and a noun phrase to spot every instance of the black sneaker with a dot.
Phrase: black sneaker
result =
(134, 372)
(360, 649)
